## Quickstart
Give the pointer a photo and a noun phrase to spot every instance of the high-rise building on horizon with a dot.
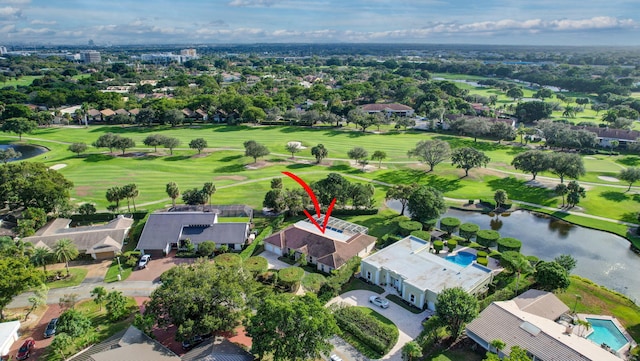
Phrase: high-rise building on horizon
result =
(91, 56)
(188, 52)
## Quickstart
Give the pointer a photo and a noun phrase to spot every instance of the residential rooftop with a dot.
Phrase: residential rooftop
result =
(411, 258)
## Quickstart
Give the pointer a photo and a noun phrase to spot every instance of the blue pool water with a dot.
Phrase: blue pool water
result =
(462, 258)
(605, 331)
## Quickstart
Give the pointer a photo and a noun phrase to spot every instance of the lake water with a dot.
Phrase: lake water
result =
(602, 257)
(27, 151)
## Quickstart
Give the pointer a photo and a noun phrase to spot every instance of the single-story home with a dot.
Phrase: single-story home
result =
(101, 242)
(8, 335)
(166, 230)
(529, 321)
(419, 275)
(217, 349)
(340, 242)
(400, 110)
(128, 345)
(607, 135)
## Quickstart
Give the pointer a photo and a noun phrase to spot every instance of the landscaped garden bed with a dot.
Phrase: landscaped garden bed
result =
(371, 333)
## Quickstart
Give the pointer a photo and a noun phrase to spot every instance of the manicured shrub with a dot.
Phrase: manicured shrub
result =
(430, 224)
(481, 254)
(405, 228)
(468, 230)
(424, 235)
(291, 275)
(533, 260)
(452, 244)
(256, 265)
(509, 244)
(449, 224)
(482, 261)
(228, 259)
(438, 246)
(487, 237)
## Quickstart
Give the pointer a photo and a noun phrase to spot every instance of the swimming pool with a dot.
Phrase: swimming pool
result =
(462, 258)
(605, 331)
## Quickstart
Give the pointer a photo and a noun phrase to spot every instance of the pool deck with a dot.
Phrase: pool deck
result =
(583, 332)
(493, 263)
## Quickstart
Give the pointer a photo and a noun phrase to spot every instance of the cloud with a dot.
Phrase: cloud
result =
(21, 2)
(218, 23)
(43, 22)
(10, 11)
(252, 3)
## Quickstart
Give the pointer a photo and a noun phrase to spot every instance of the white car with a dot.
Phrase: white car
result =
(144, 260)
(379, 301)
(335, 357)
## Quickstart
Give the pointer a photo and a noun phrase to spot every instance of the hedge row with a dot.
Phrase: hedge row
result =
(250, 249)
(378, 336)
(104, 216)
(423, 235)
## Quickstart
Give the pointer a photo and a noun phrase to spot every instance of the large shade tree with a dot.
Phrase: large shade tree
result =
(630, 175)
(19, 126)
(401, 193)
(468, 158)
(17, 275)
(431, 152)
(200, 298)
(426, 203)
(289, 327)
(532, 161)
(567, 165)
(29, 184)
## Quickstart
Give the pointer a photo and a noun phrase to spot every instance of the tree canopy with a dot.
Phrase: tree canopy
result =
(28, 184)
(455, 307)
(17, 275)
(551, 276)
(426, 203)
(468, 158)
(532, 161)
(291, 327)
(431, 152)
(255, 150)
(200, 298)
(567, 165)
(19, 126)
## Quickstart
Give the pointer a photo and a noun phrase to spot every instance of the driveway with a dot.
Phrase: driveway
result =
(409, 324)
(37, 333)
(274, 262)
(157, 267)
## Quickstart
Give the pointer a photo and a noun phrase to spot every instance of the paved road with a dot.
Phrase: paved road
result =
(409, 324)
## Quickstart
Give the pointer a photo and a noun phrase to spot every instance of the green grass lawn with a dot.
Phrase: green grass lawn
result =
(598, 300)
(456, 355)
(22, 81)
(112, 272)
(358, 284)
(77, 276)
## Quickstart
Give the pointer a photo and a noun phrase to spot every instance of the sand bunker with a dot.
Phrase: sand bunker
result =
(58, 166)
(608, 179)
(297, 145)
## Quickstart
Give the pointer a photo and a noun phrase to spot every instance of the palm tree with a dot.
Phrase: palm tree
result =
(99, 294)
(41, 256)
(500, 197)
(519, 265)
(498, 345)
(209, 189)
(21, 248)
(410, 350)
(114, 194)
(64, 250)
(173, 192)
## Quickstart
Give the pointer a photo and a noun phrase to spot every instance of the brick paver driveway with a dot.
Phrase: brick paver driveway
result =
(409, 324)
(157, 267)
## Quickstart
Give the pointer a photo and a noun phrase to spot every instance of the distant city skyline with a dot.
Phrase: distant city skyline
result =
(507, 22)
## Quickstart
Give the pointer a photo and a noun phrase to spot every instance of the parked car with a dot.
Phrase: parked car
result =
(51, 328)
(144, 260)
(379, 301)
(335, 357)
(192, 342)
(25, 350)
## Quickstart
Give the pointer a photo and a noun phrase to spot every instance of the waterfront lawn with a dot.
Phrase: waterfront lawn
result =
(595, 299)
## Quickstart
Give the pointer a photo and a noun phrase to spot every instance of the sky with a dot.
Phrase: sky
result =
(509, 22)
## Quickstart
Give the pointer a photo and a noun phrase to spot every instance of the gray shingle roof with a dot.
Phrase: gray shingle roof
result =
(541, 303)
(217, 349)
(169, 227)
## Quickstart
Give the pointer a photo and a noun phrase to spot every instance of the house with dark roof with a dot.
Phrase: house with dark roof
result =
(400, 110)
(217, 349)
(340, 242)
(128, 345)
(168, 230)
(530, 322)
(101, 242)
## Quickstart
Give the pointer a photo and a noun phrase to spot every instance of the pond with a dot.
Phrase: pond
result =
(602, 257)
(27, 151)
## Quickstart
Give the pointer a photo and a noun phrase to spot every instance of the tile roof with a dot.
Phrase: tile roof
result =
(332, 252)
(621, 134)
(107, 112)
(541, 303)
(85, 238)
(540, 336)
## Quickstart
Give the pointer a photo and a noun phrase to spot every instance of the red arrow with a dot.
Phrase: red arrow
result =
(316, 205)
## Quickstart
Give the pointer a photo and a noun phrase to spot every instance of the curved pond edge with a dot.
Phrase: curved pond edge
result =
(635, 248)
(26, 143)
